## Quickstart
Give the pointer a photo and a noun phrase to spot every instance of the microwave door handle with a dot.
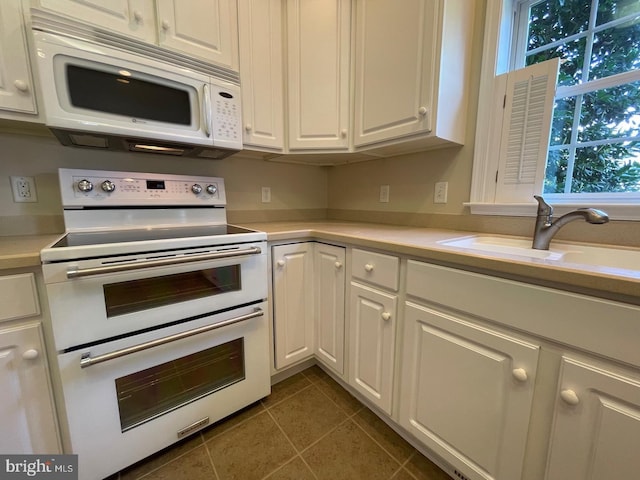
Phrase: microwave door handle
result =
(206, 108)
(86, 360)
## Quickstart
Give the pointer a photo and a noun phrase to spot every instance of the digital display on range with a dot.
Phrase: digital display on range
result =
(155, 185)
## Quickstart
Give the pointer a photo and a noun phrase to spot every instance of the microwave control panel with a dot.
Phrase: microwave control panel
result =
(226, 117)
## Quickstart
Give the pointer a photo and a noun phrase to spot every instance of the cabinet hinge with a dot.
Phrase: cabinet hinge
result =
(504, 101)
(496, 176)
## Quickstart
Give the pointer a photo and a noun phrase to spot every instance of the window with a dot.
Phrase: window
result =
(593, 155)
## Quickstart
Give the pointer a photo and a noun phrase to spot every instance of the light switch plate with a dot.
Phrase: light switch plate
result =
(440, 192)
(384, 193)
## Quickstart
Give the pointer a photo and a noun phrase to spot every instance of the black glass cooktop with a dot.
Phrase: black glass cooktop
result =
(78, 239)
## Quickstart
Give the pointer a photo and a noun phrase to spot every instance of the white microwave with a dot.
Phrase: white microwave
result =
(102, 97)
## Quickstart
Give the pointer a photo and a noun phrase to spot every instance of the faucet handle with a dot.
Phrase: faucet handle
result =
(544, 209)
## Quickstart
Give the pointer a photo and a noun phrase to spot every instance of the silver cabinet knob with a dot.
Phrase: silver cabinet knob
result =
(108, 186)
(196, 188)
(520, 374)
(570, 397)
(212, 189)
(21, 85)
(30, 354)
(85, 185)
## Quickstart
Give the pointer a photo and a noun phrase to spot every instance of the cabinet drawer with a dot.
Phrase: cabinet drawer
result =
(18, 296)
(375, 268)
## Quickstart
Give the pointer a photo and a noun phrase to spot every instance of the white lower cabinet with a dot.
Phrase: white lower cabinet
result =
(26, 408)
(596, 428)
(467, 392)
(329, 276)
(293, 303)
(372, 340)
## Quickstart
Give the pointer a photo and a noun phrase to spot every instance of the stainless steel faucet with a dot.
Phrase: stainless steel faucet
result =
(546, 227)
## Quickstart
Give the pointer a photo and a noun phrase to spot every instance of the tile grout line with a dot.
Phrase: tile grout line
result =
(298, 453)
(213, 464)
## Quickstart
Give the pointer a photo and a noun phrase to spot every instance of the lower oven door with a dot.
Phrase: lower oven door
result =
(94, 299)
(128, 398)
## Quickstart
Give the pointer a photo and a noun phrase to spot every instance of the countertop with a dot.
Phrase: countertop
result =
(418, 243)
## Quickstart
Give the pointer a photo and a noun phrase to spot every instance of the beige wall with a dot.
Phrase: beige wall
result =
(296, 190)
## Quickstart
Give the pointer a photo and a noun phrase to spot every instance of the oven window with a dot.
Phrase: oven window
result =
(128, 96)
(155, 391)
(146, 293)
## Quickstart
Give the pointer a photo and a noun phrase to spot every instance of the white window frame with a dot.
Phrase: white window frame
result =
(497, 58)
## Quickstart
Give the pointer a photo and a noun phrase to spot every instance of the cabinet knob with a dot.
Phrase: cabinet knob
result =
(570, 397)
(520, 374)
(248, 127)
(137, 16)
(386, 316)
(21, 85)
(422, 111)
(280, 263)
(338, 264)
(343, 133)
(30, 354)
(368, 267)
(165, 25)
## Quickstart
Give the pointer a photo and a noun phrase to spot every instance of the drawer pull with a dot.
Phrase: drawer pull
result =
(386, 316)
(280, 263)
(520, 374)
(570, 397)
(338, 264)
(368, 267)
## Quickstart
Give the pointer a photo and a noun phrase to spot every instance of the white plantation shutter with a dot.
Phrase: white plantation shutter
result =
(526, 127)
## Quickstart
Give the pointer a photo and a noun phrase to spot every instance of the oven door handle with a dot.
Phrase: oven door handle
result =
(86, 360)
(86, 272)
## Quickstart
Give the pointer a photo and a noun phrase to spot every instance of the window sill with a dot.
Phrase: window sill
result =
(616, 211)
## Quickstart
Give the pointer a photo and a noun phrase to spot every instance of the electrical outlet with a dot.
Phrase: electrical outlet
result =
(440, 192)
(24, 189)
(384, 193)
(266, 194)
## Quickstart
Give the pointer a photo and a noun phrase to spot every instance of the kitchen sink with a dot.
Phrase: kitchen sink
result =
(599, 256)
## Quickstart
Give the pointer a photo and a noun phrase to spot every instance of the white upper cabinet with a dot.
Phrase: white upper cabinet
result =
(412, 63)
(318, 53)
(16, 86)
(200, 28)
(133, 18)
(203, 29)
(261, 73)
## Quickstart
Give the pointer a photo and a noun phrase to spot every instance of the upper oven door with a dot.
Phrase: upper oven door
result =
(93, 300)
(90, 87)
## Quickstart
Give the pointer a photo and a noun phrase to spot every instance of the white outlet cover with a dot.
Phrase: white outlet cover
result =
(24, 189)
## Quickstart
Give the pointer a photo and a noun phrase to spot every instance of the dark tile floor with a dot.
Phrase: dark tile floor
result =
(309, 428)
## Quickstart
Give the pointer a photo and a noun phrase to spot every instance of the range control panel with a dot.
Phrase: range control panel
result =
(93, 188)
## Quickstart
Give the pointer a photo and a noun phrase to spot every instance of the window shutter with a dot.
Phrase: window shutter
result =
(526, 127)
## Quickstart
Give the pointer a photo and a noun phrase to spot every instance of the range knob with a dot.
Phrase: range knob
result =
(196, 188)
(212, 189)
(85, 185)
(108, 186)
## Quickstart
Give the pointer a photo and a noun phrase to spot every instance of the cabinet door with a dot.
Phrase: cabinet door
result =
(16, 87)
(202, 28)
(318, 36)
(293, 303)
(596, 429)
(395, 56)
(26, 409)
(329, 276)
(261, 64)
(372, 339)
(467, 392)
(133, 18)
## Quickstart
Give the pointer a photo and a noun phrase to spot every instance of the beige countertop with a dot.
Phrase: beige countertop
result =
(418, 243)
(422, 243)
